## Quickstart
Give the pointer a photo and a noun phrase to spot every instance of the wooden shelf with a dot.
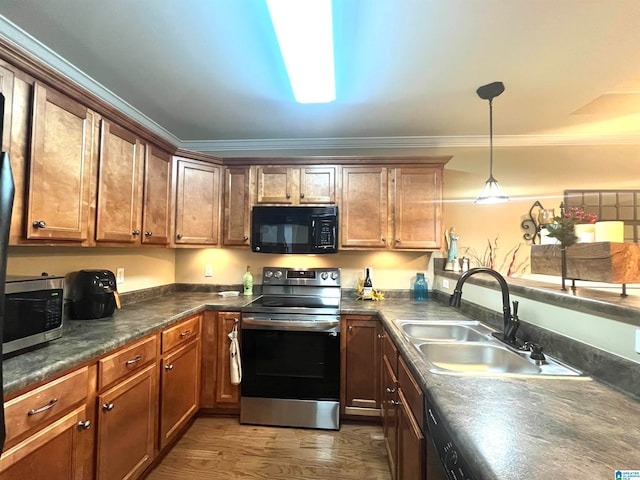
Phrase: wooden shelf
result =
(606, 262)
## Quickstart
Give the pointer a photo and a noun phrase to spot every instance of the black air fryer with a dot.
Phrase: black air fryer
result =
(92, 294)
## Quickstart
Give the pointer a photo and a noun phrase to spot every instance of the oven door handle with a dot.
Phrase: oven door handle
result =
(251, 323)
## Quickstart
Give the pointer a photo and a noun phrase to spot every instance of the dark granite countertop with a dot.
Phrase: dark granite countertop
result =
(505, 427)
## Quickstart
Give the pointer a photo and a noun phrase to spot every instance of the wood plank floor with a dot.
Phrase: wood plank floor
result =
(221, 448)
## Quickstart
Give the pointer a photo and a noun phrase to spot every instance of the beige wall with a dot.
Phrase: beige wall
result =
(143, 267)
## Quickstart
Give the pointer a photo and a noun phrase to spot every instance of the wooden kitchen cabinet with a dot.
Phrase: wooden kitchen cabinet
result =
(180, 377)
(59, 173)
(6, 88)
(364, 221)
(126, 425)
(361, 354)
(197, 203)
(395, 208)
(389, 401)
(285, 185)
(417, 200)
(156, 203)
(127, 406)
(411, 454)
(120, 171)
(49, 431)
(237, 207)
(217, 393)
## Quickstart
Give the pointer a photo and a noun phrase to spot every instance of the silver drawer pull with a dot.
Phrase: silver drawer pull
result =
(133, 360)
(185, 333)
(107, 407)
(86, 425)
(168, 367)
(48, 406)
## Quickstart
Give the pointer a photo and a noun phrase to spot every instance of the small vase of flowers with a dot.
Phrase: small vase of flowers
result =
(573, 225)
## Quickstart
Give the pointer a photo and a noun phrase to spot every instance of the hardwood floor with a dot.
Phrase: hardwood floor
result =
(221, 448)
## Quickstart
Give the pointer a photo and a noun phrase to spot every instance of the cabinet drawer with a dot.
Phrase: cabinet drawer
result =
(180, 333)
(130, 359)
(39, 407)
(412, 391)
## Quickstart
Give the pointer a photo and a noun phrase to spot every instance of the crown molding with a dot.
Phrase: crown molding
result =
(539, 140)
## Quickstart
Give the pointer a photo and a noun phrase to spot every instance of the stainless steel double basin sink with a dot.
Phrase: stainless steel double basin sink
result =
(469, 348)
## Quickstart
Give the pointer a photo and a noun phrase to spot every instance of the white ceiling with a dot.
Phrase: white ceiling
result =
(208, 71)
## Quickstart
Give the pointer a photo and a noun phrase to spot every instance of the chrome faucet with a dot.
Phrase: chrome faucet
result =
(510, 320)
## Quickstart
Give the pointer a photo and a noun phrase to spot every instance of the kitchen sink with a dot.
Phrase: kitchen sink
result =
(445, 331)
(454, 347)
(480, 358)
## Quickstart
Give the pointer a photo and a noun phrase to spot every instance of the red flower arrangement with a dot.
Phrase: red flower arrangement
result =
(580, 216)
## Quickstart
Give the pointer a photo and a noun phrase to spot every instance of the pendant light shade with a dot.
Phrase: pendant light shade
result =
(491, 193)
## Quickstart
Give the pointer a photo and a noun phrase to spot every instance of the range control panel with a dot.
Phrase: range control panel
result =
(322, 277)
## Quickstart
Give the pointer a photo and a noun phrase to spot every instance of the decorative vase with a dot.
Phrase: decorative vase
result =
(586, 232)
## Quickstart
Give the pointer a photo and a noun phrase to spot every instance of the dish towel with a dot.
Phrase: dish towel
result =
(234, 352)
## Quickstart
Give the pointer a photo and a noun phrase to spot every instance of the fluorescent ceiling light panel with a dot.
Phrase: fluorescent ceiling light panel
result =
(304, 30)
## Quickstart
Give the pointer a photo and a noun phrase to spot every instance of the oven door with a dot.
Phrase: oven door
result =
(290, 363)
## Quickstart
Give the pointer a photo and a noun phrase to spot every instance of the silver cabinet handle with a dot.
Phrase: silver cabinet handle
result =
(186, 333)
(44, 408)
(397, 240)
(394, 402)
(350, 328)
(302, 195)
(383, 239)
(288, 195)
(391, 390)
(86, 425)
(148, 233)
(245, 238)
(136, 232)
(133, 360)
(179, 236)
(168, 367)
(107, 407)
(39, 224)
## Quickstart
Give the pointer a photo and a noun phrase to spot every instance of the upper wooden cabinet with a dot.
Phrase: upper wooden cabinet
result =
(364, 221)
(288, 185)
(60, 168)
(6, 88)
(197, 202)
(237, 206)
(417, 195)
(119, 185)
(156, 202)
(398, 208)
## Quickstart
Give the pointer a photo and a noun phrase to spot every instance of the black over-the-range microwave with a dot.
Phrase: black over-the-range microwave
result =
(294, 229)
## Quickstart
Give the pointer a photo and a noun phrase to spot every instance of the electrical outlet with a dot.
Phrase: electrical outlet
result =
(120, 275)
(208, 270)
(445, 283)
(637, 341)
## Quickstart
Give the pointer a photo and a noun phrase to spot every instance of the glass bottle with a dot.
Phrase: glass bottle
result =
(420, 288)
(368, 284)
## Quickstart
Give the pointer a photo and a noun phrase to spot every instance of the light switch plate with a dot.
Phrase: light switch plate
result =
(120, 275)
(208, 270)
(637, 341)
(445, 283)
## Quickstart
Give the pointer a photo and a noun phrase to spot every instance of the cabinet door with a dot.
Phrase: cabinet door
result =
(180, 390)
(389, 411)
(317, 185)
(411, 447)
(119, 185)
(363, 221)
(126, 422)
(362, 352)
(277, 185)
(156, 200)
(60, 168)
(197, 203)
(57, 452)
(227, 395)
(237, 207)
(6, 87)
(418, 208)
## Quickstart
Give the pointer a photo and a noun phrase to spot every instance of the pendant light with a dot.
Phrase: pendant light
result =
(491, 193)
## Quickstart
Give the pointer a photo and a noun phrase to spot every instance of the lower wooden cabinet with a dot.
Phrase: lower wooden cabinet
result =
(360, 336)
(217, 392)
(57, 452)
(179, 389)
(126, 426)
(411, 447)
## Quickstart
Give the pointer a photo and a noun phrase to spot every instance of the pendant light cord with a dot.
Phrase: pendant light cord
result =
(491, 139)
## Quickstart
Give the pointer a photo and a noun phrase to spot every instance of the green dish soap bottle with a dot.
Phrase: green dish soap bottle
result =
(247, 281)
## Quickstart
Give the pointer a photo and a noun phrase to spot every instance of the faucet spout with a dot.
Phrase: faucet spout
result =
(456, 297)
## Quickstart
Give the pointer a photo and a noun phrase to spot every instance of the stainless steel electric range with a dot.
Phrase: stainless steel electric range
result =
(291, 350)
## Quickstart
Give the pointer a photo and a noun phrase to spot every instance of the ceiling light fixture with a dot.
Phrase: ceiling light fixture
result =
(304, 29)
(491, 193)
